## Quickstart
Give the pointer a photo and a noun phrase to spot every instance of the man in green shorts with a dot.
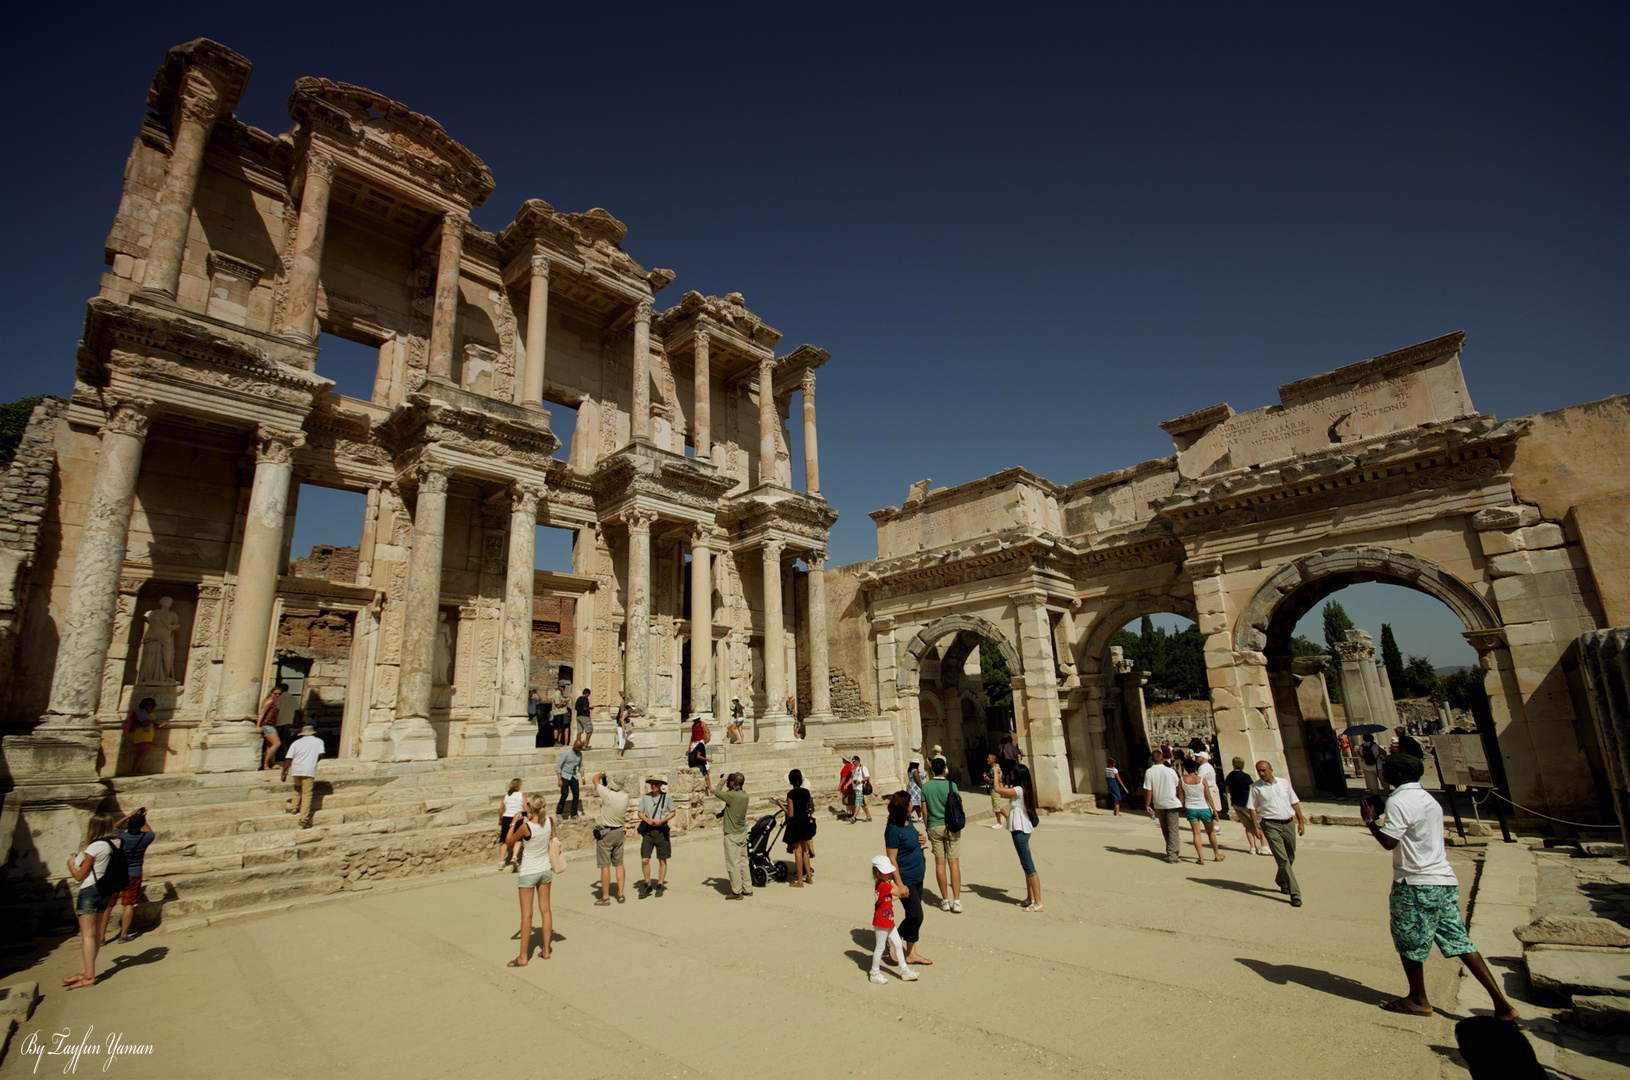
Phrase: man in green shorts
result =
(1425, 899)
(946, 845)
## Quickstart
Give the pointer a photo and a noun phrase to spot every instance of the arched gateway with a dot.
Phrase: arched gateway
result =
(1379, 471)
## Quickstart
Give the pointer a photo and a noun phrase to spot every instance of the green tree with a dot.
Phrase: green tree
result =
(13, 420)
(1336, 624)
(1175, 662)
(993, 670)
(1419, 679)
(1393, 661)
(1461, 689)
(1301, 646)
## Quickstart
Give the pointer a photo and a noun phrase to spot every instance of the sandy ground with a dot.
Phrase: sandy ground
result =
(1136, 969)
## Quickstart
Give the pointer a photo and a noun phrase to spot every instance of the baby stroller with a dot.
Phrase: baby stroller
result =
(764, 833)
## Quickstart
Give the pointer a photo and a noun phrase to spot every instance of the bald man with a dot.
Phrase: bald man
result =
(1277, 808)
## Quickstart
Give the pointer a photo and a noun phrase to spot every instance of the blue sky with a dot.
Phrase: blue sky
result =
(1027, 234)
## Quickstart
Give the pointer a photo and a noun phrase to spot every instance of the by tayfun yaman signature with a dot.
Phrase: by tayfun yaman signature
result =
(62, 1044)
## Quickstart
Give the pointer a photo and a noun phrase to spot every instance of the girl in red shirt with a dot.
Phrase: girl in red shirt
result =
(886, 880)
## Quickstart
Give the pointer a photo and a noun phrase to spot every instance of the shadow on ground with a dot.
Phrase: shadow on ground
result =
(1314, 979)
(1157, 855)
(1241, 887)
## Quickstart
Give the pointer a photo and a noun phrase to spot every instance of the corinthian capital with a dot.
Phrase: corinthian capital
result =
(319, 164)
(703, 340)
(773, 550)
(276, 444)
(433, 477)
(453, 223)
(808, 385)
(200, 100)
(701, 535)
(540, 266)
(525, 497)
(816, 559)
(639, 521)
(642, 310)
(128, 416)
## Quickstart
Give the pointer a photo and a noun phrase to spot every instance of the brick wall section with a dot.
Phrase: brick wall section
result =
(549, 643)
(336, 564)
(24, 492)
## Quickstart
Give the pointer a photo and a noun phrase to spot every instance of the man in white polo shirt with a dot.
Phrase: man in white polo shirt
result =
(1161, 801)
(302, 762)
(1277, 808)
(1425, 900)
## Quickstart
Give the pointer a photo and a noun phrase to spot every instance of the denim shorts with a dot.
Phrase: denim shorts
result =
(91, 901)
(532, 881)
(1021, 844)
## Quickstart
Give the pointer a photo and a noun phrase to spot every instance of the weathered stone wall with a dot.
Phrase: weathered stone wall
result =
(24, 504)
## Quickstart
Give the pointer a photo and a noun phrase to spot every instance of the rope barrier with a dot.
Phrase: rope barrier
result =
(1547, 817)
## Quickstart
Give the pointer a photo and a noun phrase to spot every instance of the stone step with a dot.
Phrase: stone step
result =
(225, 880)
(1563, 970)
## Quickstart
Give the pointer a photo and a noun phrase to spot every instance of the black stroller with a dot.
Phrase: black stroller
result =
(760, 838)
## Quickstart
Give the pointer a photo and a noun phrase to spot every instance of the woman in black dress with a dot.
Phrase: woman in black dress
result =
(800, 835)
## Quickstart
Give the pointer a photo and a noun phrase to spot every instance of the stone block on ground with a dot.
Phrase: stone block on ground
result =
(1576, 971)
(1574, 930)
(17, 1001)
(1602, 1012)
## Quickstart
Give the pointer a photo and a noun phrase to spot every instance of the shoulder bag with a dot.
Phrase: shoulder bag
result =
(557, 854)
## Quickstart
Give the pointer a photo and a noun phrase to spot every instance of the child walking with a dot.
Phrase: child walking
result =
(1117, 790)
(883, 921)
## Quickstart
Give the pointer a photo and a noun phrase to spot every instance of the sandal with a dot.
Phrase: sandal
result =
(1399, 1005)
(602, 902)
(621, 899)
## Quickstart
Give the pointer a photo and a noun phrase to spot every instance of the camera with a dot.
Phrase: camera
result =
(1377, 803)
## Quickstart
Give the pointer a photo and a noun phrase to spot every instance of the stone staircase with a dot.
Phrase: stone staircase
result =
(226, 847)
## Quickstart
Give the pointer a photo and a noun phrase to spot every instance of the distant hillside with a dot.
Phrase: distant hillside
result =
(1444, 672)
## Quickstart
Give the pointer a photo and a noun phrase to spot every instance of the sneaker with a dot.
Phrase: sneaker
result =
(1296, 901)
(503, 864)
(956, 906)
(661, 888)
(908, 976)
(877, 977)
(945, 905)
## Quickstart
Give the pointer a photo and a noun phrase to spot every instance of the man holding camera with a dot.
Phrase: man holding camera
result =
(656, 811)
(608, 836)
(1425, 899)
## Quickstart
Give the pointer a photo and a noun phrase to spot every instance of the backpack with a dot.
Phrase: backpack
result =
(691, 758)
(1369, 753)
(955, 818)
(116, 878)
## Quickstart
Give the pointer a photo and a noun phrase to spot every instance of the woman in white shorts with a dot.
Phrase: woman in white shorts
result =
(534, 830)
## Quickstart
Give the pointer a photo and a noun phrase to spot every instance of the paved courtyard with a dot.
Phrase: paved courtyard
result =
(1136, 969)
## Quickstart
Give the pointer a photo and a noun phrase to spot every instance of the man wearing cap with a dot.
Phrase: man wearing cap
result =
(608, 835)
(1425, 899)
(656, 811)
(1209, 774)
(1407, 744)
(937, 755)
(735, 834)
(301, 761)
(1277, 808)
(134, 836)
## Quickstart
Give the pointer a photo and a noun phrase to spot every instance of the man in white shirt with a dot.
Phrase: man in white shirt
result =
(1161, 801)
(301, 760)
(1425, 900)
(1277, 808)
(1209, 775)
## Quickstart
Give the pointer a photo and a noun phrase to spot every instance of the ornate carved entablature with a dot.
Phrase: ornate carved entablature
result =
(1426, 458)
(188, 369)
(806, 522)
(738, 340)
(201, 80)
(639, 472)
(582, 256)
(986, 560)
(477, 441)
(385, 138)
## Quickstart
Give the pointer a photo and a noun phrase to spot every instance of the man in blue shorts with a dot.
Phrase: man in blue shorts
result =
(1425, 898)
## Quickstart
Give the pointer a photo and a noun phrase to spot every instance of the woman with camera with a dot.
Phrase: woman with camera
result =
(534, 830)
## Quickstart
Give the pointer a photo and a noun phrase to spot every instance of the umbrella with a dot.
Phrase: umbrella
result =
(1364, 729)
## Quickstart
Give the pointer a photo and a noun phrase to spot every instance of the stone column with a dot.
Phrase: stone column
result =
(300, 310)
(515, 729)
(1049, 756)
(766, 419)
(637, 616)
(701, 622)
(776, 725)
(1241, 699)
(537, 331)
(412, 737)
(640, 421)
(702, 427)
(820, 688)
(812, 469)
(444, 315)
(232, 743)
(199, 104)
(87, 623)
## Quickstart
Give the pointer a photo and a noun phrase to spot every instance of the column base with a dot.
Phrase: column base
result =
(412, 739)
(376, 743)
(233, 746)
(514, 735)
(776, 728)
(57, 755)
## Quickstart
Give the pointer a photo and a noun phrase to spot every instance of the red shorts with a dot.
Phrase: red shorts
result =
(130, 896)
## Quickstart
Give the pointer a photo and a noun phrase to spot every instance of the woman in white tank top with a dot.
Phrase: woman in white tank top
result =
(534, 831)
(1197, 808)
(514, 807)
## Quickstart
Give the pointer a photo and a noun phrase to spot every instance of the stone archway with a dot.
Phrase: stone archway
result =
(965, 632)
(1096, 645)
(1269, 619)
(911, 662)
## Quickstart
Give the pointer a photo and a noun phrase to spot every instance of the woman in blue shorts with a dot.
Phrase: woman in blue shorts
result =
(1197, 808)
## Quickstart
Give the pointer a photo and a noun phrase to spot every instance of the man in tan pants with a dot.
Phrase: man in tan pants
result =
(302, 762)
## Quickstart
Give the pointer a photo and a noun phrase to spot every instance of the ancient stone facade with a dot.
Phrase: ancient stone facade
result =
(159, 564)
(1379, 471)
